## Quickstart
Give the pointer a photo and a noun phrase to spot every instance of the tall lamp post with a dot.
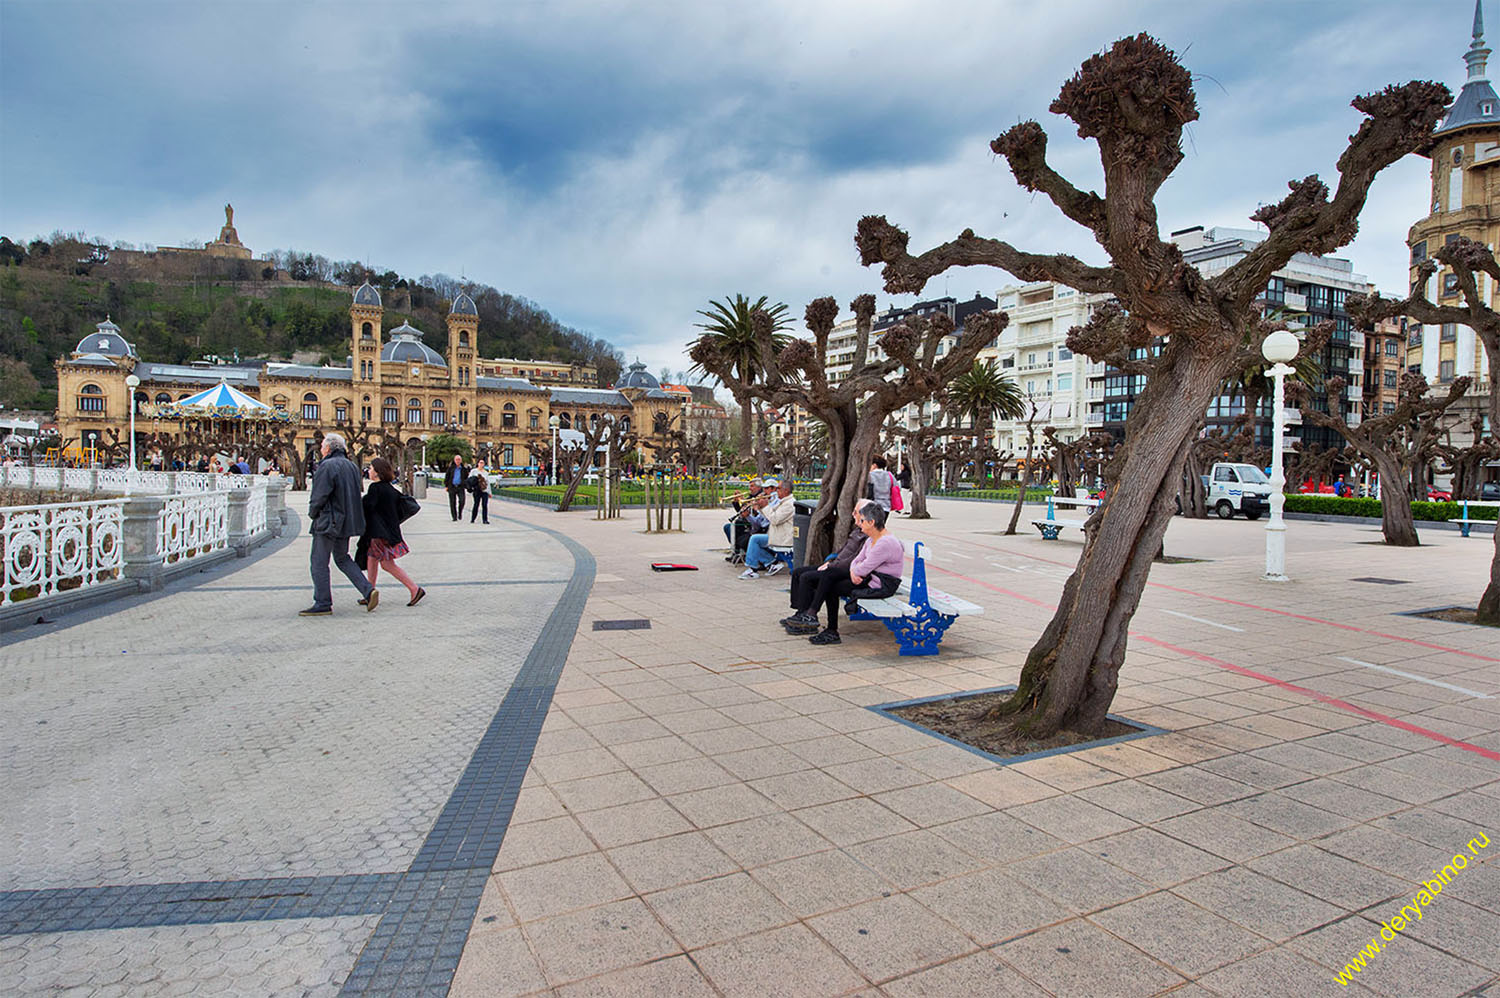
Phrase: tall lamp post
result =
(609, 425)
(131, 384)
(554, 422)
(1278, 348)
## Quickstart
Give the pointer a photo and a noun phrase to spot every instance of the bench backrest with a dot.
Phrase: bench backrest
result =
(918, 574)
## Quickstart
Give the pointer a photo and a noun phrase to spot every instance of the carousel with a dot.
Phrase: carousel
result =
(223, 418)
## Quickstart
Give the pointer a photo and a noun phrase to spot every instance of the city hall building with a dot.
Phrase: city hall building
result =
(394, 388)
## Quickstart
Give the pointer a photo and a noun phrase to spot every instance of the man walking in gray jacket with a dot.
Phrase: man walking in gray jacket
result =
(337, 514)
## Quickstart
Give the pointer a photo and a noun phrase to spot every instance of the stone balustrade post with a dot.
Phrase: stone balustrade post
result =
(276, 489)
(141, 541)
(239, 535)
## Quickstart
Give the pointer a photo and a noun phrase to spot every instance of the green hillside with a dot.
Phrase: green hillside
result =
(53, 293)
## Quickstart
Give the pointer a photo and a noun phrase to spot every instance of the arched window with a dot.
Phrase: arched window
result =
(390, 410)
(660, 424)
(439, 413)
(534, 418)
(624, 424)
(162, 398)
(367, 332)
(463, 338)
(278, 402)
(341, 410)
(564, 421)
(414, 412)
(141, 398)
(91, 399)
(310, 407)
(508, 416)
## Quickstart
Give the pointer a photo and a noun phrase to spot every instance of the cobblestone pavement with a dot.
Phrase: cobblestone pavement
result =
(215, 759)
(712, 809)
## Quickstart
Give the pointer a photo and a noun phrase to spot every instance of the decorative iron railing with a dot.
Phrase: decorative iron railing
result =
(192, 524)
(56, 548)
(256, 518)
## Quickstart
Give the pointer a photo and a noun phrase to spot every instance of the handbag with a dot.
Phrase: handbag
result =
(896, 504)
(409, 508)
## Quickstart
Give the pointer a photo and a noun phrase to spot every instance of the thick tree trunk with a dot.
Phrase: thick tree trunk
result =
(1071, 673)
(1194, 497)
(823, 528)
(1396, 521)
(917, 508)
(1489, 603)
(1015, 513)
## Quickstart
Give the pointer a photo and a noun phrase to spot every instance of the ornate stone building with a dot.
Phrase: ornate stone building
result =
(395, 388)
(1465, 156)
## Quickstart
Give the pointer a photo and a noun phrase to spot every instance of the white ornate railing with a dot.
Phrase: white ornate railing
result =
(256, 519)
(78, 478)
(195, 481)
(48, 478)
(193, 524)
(59, 547)
(123, 480)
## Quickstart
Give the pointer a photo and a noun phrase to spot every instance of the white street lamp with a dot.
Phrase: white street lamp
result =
(1278, 348)
(554, 422)
(131, 384)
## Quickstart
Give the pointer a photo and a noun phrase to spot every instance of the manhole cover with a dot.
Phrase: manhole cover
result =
(1381, 582)
(622, 625)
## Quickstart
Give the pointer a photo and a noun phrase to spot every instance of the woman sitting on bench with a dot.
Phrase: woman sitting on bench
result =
(805, 579)
(874, 574)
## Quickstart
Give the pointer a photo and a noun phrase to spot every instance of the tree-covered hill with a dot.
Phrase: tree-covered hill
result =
(54, 291)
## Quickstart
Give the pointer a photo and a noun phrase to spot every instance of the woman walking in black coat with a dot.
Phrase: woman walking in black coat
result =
(382, 543)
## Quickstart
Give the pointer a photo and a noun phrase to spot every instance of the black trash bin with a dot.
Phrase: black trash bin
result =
(801, 519)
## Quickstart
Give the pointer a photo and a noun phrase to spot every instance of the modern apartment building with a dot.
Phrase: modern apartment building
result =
(1307, 291)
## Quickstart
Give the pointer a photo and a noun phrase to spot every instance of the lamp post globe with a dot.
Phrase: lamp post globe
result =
(1278, 348)
(131, 384)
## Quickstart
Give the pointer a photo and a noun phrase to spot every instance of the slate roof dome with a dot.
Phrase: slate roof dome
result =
(367, 295)
(463, 305)
(406, 345)
(1477, 103)
(638, 377)
(106, 341)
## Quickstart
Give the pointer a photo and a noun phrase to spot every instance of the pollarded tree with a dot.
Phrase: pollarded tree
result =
(855, 408)
(1134, 101)
(1467, 259)
(923, 450)
(1395, 444)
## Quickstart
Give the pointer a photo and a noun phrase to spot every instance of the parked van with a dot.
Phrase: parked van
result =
(1237, 488)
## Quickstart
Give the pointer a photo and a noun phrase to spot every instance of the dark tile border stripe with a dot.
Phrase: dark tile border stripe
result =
(1143, 730)
(416, 947)
(80, 909)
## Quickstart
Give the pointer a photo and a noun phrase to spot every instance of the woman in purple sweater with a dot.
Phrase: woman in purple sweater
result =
(875, 573)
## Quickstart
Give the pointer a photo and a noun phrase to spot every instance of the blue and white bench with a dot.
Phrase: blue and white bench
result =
(1052, 526)
(1465, 523)
(917, 615)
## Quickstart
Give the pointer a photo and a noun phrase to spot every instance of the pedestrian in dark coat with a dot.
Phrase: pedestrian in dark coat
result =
(337, 514)
(382, 543)
(457, 480)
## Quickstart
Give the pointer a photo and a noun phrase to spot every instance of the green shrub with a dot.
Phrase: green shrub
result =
(1351, 506)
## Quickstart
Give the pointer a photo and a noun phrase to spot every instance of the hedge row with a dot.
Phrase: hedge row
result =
(1032, 495)
(1351, 506)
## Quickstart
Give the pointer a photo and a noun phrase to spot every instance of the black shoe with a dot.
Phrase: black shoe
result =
(800, 617)
(315, 611)
(852, 607)
(799, 628)
(825, 638)
(372, 600)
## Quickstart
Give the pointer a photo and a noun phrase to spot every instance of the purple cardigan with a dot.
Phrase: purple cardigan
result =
(885, 557)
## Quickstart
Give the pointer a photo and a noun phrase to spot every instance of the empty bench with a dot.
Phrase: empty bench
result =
(1051, 526)
(1465, 523)
(917, 615)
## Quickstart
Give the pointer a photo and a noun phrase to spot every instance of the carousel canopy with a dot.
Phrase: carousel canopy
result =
(219, 402)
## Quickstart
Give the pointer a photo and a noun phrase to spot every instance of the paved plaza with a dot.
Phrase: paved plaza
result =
(207, 795)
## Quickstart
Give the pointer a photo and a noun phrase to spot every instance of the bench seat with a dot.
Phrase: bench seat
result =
(1464, 526)
(916, 614)
(1051, 528)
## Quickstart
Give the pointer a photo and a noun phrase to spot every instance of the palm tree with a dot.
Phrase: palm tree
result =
(983, 393)
(730, 333)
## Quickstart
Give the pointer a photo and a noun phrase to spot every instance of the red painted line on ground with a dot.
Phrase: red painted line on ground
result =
(1241, 670)
(1394, 722)
(1249, 606)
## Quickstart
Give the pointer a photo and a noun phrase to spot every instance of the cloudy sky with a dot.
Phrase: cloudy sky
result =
(622, 163)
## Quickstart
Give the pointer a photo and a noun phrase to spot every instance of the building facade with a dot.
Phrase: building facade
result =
(395, 388)
(1465, 201)
(1385, 348)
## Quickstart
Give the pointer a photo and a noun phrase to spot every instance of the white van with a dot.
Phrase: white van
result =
(1237, 488)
